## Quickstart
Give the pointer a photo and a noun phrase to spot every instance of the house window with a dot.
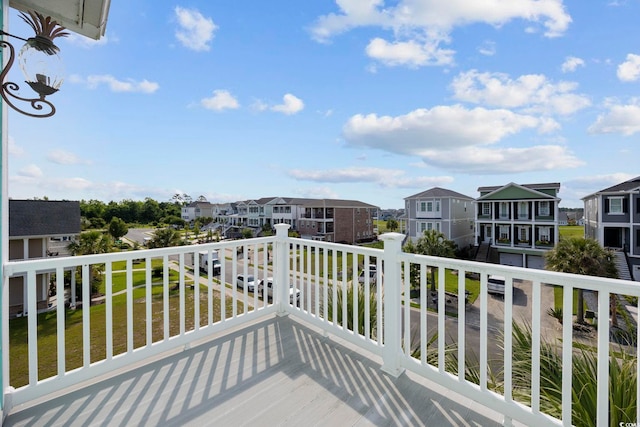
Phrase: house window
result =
(504, 210)
(429, 226)
(429, 206)
(524, 234)
(523, 210)
(543, 208)
(615, 205)
(486, 209)
(544, 234)
(423, 206)
(504, 232)
(437, 205)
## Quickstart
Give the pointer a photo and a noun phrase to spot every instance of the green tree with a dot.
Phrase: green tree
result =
(432, 243)
(247, 233)
(117, 228)
(174, 220)
(583, 256)
(164, 238)
(89, 243)
(392, 224)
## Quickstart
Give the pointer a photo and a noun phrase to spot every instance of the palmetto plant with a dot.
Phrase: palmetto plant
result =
(372, 303)
(622, 380)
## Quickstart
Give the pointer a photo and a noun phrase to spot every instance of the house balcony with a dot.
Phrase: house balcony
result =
(158, 344)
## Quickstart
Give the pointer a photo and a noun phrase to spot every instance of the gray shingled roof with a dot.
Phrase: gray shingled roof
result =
(631, 184)
(439, 192)
(43, 218)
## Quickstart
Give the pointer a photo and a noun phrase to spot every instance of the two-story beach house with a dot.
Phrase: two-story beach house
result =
(447, 211)
(38, 229)
(612, 217)
(519, 221)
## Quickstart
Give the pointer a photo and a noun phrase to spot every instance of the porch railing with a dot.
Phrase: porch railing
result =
(381, 300)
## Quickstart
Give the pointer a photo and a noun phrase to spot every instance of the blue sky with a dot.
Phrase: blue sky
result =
(355, 99)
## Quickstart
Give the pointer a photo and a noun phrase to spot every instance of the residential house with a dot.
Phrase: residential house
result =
(447, 211)
(612, 217)
(198, 209)
(563, 218)
(288, 210)
(38, 229)
(333, 220)
(519, 221)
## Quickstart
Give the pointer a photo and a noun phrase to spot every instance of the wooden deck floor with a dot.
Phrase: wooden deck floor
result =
(277, 371)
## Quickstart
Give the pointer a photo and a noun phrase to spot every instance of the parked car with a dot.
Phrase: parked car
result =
(495, 285)
(246, 282)
(373, 274)
(294, 294)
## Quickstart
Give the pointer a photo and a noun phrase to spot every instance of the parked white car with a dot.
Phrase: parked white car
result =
(294, 294)
(248, 283)
(495, 284)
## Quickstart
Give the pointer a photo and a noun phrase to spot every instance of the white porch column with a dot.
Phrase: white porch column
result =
(392, 311)
(281, 267)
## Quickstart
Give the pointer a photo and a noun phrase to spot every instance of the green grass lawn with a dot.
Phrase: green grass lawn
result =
(47, 329)
(568, 231)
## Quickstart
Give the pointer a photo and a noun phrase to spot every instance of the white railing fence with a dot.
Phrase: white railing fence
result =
(382, 300)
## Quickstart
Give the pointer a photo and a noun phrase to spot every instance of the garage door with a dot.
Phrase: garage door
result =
(511, 259)
(535, 261)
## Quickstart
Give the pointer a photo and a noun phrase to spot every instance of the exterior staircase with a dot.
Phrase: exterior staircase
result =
(623, 266)
(483, 252)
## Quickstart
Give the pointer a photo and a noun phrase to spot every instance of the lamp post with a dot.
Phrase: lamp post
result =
(39, 61)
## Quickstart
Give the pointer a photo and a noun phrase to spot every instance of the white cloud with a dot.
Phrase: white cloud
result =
(195, 32)
(460, 139)
(291, 105)
(592, 183)
(259, 105)
(422, 130)
(221, 100)
(622, 119)
(15, 149)
(531, 92)
(63, 157)
(86, 42)
(444, 15)
(483, 160)
(411, 53)
(115, 85)
(429, 23)
(629, 70)
(571, 63)
(316, 193)
(487, 48)
(30, 171)
(387, 178)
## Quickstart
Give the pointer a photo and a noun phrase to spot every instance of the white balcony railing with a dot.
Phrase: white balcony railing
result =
(474, 349)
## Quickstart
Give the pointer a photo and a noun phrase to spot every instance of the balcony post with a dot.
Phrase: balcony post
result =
(392, 332)
(281, 269)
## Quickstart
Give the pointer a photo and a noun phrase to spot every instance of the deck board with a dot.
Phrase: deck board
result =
(276, 371)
